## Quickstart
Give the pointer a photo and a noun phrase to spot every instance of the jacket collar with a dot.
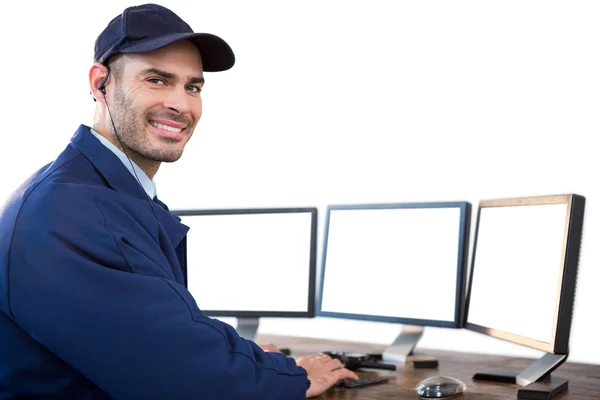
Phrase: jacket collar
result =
(121, 180)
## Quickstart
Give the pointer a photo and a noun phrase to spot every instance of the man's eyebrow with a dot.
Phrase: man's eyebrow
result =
(170, 75)
(197, 79)
(159, 72)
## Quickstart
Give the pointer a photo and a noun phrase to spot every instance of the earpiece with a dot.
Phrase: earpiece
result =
(101, 85)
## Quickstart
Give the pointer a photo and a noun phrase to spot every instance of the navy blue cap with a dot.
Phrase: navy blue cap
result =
(150, 27)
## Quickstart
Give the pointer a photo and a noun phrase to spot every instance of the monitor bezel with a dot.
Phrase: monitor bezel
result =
(313, 211)
(462, 263)
(563, 312)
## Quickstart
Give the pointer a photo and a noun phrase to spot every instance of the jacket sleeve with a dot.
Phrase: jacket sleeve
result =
(136, 336)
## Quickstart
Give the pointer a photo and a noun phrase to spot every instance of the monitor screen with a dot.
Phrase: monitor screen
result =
(252, 262)
(523, 269)
(400, 263)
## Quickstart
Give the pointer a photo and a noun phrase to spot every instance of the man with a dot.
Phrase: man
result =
(93, 302)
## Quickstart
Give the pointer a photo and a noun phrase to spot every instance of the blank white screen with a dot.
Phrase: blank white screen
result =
(392, 262)
(516, 274)
(249, 262)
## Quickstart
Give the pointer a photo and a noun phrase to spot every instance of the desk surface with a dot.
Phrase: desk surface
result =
(584, 379)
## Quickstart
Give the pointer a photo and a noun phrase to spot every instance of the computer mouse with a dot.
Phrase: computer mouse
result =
(440, 387)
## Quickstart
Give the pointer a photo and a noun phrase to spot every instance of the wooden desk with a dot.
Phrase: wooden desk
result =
(584, 380)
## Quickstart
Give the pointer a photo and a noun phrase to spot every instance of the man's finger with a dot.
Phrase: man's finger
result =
(335, 364)
(344, 373)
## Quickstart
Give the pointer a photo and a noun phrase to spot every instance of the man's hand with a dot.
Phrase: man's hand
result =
(323, 372)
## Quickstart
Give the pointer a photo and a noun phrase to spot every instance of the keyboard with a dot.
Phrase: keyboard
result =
(362, 381)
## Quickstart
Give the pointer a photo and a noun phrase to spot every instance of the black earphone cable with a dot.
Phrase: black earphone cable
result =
(103, 91)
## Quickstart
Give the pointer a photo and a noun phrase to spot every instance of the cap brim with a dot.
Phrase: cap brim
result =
(216, 53)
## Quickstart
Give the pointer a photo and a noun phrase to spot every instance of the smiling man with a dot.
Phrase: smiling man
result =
(155, 104)
(93, 298)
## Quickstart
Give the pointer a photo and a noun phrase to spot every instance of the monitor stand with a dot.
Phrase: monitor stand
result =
(402, 349)
(247, 327)
(535, 381)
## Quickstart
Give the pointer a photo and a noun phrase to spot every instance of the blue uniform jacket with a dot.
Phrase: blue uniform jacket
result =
(93, 298)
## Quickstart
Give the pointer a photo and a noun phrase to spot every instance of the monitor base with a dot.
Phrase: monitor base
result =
(401, 351)
(497, 376)
(545, 389)
(535, 381)
(422, 361)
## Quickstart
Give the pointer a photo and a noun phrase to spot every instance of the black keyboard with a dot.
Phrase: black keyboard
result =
(362, 381)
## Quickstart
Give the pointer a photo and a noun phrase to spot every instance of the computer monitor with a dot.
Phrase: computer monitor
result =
(252, 263)
(522, 284)
(401, 263)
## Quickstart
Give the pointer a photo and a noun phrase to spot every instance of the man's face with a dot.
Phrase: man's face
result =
(156, 102)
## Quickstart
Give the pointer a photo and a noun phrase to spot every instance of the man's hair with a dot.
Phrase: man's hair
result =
(116, 64)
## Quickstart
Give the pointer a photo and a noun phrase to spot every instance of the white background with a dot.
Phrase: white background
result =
(346, 101)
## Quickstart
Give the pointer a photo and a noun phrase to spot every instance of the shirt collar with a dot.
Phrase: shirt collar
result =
(148, 185)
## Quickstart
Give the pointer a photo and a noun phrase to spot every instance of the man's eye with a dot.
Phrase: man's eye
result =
(195, 89)
(157, 81)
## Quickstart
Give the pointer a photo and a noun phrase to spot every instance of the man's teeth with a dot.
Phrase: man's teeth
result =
(165, 127)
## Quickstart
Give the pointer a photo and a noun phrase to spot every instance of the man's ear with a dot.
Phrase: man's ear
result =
(99, 74)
